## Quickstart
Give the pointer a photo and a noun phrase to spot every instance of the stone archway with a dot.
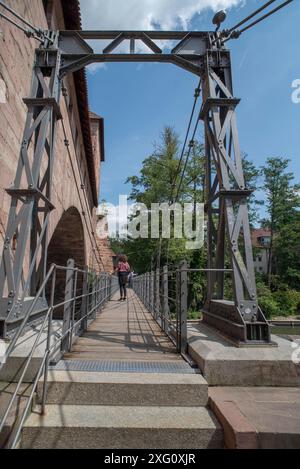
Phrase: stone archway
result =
(67, 242)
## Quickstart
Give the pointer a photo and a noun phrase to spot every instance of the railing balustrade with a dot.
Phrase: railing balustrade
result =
(86, 293)
(164, 293)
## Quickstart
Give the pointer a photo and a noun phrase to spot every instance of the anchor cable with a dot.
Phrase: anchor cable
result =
(249, 17)
(266, 15)
(37, 33)
(235, 33)
(196, 97)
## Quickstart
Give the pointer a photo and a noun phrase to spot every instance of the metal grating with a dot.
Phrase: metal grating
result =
(123, 367)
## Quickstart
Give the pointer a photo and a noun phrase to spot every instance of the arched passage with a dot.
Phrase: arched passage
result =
(67, 242)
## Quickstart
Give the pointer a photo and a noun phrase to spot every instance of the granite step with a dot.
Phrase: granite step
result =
(91, 427)
(140, 389)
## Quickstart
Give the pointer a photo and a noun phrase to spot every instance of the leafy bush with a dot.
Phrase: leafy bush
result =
(267, 303)
(191, 314)
(288, 301)
(283, 302)
(269, 306)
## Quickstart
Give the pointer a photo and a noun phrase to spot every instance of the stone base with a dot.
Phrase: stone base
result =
(222, 364)
(11, 370)
(258, 417)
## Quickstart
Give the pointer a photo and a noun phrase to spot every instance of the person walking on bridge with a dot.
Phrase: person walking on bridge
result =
(123, 269)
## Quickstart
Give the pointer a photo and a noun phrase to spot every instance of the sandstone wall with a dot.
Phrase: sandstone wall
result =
(16, 61)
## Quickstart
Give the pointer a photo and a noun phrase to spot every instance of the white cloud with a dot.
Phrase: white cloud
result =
(93, 68)
(146, 14)
(117, 216)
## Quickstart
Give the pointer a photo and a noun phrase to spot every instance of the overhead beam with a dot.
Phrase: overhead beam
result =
(78, 62)
(76, 52)
(163, 35)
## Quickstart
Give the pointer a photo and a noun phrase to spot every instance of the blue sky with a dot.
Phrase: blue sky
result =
(138, 100)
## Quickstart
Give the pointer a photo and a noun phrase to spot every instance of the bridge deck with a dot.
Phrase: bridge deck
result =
(124, 331)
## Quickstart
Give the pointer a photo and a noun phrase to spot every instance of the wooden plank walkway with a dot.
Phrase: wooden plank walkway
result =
(124, 331)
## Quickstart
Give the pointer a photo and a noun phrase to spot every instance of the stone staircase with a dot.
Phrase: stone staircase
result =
(99, 409)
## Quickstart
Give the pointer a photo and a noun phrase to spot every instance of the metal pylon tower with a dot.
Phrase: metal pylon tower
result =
(201, 53)
(21, 274)
(228, 232)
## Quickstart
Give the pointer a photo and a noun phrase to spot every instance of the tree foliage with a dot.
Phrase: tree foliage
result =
(282, 203)
(159, 182)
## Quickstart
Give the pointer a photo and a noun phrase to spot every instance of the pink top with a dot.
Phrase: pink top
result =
(123, 267)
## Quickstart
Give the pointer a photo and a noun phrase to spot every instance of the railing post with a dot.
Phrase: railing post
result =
(69, 293)
(157, 297)
(48, 346)
(94, 295)
(183, 306)
(73, 311)
(144, 289)
(165, 301)
(178, 307)
(85, 302)
(97, 290)
(104, 290)
(147, 290)
(152, 292)
(111, 285)
(101, 291)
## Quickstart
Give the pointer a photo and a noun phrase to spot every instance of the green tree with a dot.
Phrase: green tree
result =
(251, 175)
(155, 182)
(282, 201)
(287, 251)
(160, 181)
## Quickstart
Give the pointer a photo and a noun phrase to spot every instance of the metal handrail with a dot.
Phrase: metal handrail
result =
(164, 292)
(155, 293)
(51, 349)
(49, 352)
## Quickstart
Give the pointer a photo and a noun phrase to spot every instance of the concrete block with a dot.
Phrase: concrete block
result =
(223, 364)
(258, 417)
(12, 369)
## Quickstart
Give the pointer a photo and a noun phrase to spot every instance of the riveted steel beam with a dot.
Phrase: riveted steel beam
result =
(228, 231)
(188, 53)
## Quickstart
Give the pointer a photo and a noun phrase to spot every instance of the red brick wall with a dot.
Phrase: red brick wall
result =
(16, 60)
(96, 146)
(107, 254)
